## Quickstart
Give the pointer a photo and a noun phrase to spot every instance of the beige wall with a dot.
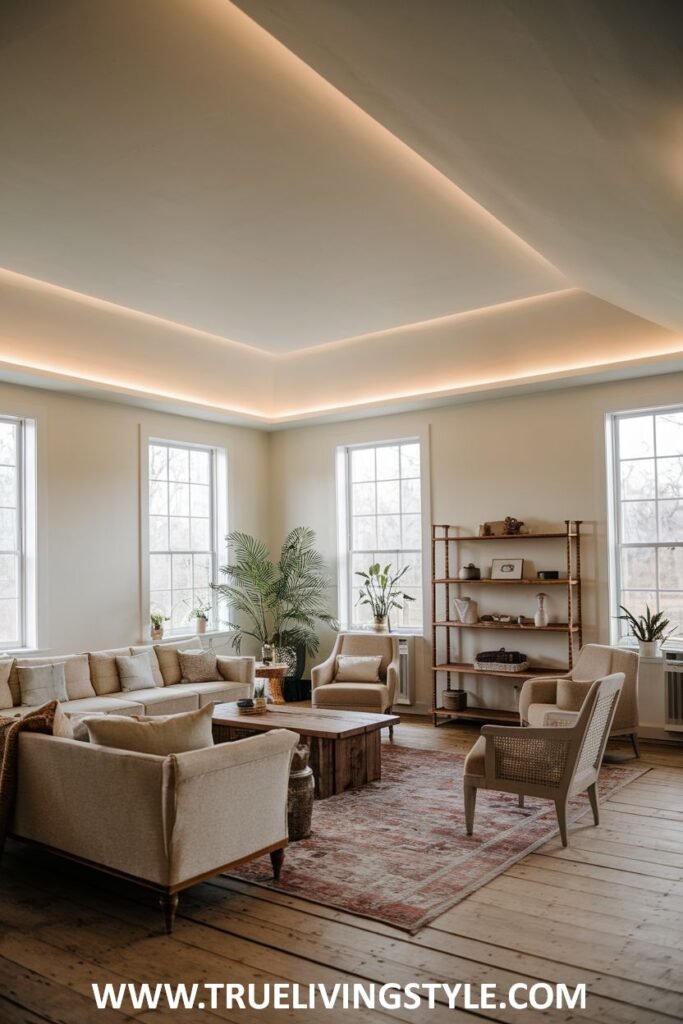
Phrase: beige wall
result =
(540, 457)
(89, 500)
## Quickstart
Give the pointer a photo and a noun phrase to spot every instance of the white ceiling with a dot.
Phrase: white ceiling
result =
(305, 223)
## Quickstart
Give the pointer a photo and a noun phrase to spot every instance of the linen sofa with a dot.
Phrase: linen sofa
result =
(93, 684)
(164, 822)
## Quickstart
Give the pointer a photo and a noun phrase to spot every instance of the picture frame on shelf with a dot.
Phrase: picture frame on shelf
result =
(507, 568)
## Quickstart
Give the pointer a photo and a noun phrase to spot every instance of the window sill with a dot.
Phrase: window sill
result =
(179, 637)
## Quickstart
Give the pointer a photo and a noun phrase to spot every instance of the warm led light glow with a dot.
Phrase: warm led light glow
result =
(483, 383)
(465, 314)
(130, 387)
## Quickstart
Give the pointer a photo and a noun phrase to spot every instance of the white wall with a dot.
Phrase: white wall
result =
(89, 500)
(540, 457)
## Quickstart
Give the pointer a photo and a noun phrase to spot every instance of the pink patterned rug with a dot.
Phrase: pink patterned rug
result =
(397, 851)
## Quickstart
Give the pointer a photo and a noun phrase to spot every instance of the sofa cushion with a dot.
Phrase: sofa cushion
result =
(542, 716)
(76, 673)
(103, 671)
(102, 705)
(352, 696)
(213, 693)
(39, 684)
(571, 694)
(6, 697)
(135, 672)
(161, 735)
(169, 662)
(199, 666)
(62, 725)
(162, 701)
(154, 662)
(358, 669)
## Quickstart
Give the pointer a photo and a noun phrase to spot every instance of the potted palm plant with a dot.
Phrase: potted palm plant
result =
(381, 592)
(649, 629)
(277, 602)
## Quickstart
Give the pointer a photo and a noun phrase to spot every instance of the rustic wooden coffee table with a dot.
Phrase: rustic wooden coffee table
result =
(345, 745)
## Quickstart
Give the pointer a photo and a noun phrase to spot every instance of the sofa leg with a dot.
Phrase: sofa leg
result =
(170, 904)
(636, 745)
(276, 859)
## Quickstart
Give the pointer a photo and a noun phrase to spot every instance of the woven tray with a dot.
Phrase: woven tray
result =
(501, 666)
(250, 711)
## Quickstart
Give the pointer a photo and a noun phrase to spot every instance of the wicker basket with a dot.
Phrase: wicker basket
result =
(454, 700)
(501, 666)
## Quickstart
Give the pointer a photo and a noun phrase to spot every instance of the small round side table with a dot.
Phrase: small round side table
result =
(273, 673)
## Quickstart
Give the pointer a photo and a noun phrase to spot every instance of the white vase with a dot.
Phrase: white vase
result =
(467, 610)
(648, 648)
(541, 616)
(200, 625)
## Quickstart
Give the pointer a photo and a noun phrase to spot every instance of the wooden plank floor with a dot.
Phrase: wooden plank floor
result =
(607, 911)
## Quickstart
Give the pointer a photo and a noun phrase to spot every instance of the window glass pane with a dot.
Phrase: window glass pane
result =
(363, 499)
(413, 577)
(636, 437)
(388, 497)
(8, 486)
(8, 529)
(364, 530)
(410, 495)
(362, 464)
(158, 498)
(179, 499)
(181, 608)
(8, 444)
(200, 500)
(160, 602)
(160, 572)
(199, 535)
(201, 570)
(387, 462)
(636, 601)
(638, 568)
(9, 622)
(638, 479)
(671, 603)
(410, 460)
(670, 520)
(200, 467)
(671, 568)
(411, 530)
(670, 433)
(158, 462)
(670, 477)
(8, 576)
(182, 572)
(639, 522)
(158, 533)
(179, 464)
(388, 532)
(179, 534)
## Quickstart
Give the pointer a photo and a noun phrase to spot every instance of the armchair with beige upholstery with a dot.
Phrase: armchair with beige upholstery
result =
(557, 700)
(376, 695)
(554, 763)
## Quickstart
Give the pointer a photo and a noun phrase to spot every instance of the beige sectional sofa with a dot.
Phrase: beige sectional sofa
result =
(93, 684)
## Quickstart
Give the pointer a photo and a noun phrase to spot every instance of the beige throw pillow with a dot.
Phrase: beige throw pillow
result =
(6, 698)
(103, 670)
(571, 694)
(40, 684)
(154, 662)
(61, 725)
(352, 669)
(76, 673)
(199, 666)
(135, 672)
(161, 734)
(169, 662)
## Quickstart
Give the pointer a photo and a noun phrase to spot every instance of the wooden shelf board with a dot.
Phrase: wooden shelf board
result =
(511, 536)
(481, 715)
(467, 668)
(508, 583)
(555, 627)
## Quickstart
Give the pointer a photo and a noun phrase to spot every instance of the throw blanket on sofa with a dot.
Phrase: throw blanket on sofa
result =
(40, 720)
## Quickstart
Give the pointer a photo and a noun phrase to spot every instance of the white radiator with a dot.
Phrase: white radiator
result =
(406, 669)
(673, 676)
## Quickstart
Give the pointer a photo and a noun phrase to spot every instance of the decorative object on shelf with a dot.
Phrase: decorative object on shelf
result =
(453, 648)
(501, 661)
(157, 620)
(541, 616)
(650, 630)
(507, 568)
(547, 574)
(469, 572)
(467, 610)
(277, 603)
(200, 613)
(454, 700)
(300, 795)
(512, 526)
(508, 527)
(380, 591)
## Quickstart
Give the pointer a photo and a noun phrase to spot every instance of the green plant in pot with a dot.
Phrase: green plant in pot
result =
(380, 590)
(277, 602)
(201, 613)
(156, 622)
(650, 630)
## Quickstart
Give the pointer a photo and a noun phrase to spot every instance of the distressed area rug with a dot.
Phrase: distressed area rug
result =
(396, 850)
